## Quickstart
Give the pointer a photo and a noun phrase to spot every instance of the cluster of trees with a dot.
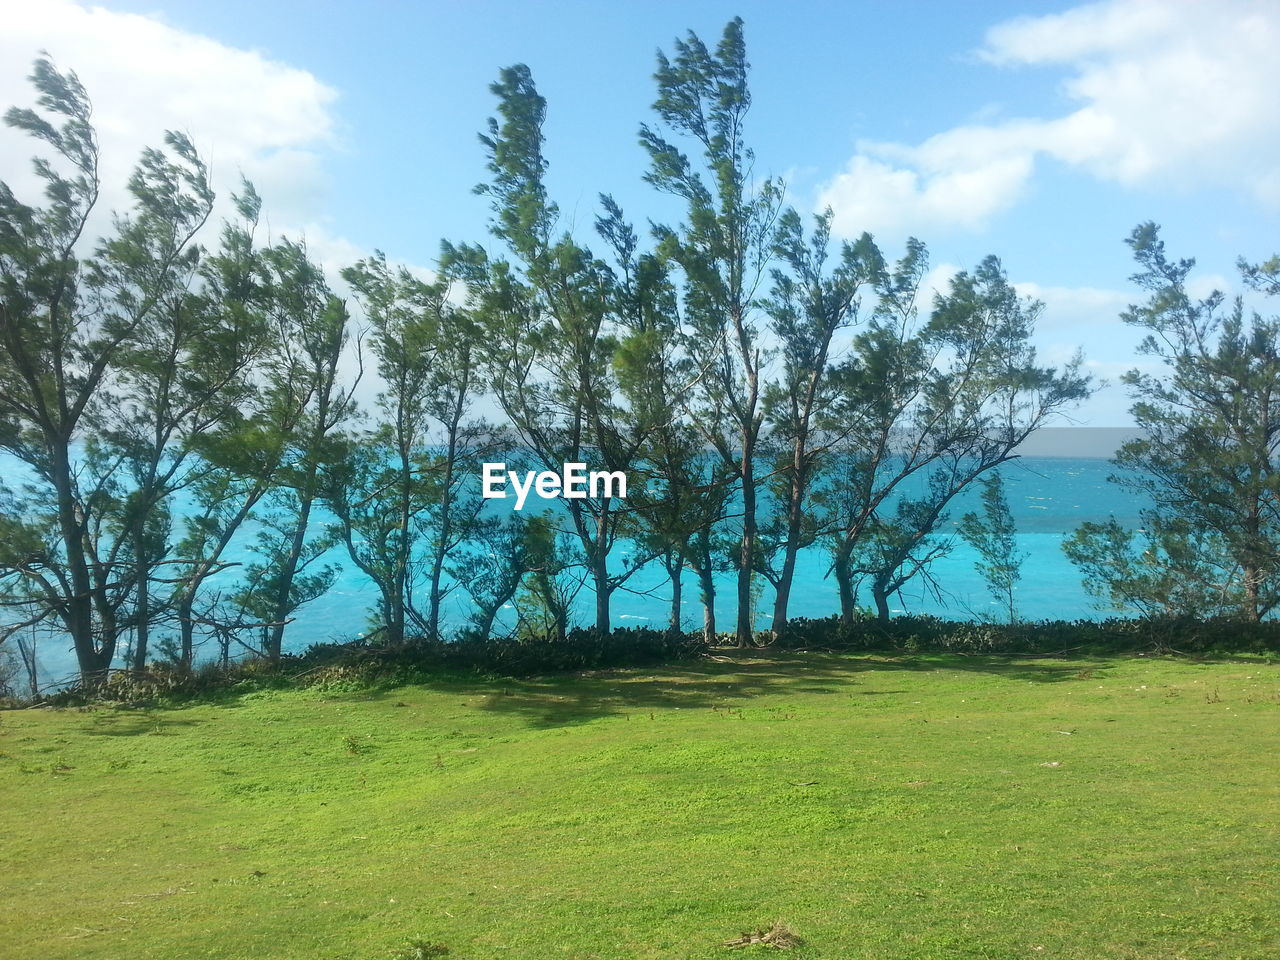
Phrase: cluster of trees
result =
(1209, 542)
(767, 388)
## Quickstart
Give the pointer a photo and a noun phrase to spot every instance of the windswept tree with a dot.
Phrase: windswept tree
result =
(386, 485)
(545, 593)
(723, 249)
(683, 493)
(490, 566)
(931, 407)
(1206, 462)
(551, 318)
(178, 380)
(306, 405)
(811, 302)
(65, 325)
(265, 422)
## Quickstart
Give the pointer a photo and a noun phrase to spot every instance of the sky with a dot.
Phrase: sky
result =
(1042, 132)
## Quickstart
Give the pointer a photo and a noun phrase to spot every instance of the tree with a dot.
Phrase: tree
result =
(931, 408)
(545, 595)
(310, 334)
(683, 493)
(551, 318)
(994, 536)
(723, 250)
(1169, 569)
(183, 373)
(1210, 418)
(64, 326)
(381, 489)
(810, 304)
(490, 565)
(250, 446)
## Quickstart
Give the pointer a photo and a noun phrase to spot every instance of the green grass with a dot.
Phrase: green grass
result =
(926, 807)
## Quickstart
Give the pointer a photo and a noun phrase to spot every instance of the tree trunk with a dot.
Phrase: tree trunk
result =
(707, 585)
(186, 627)
(880, 594)
(1252, 580)
(844, 581)
(675, 567)
(792, 550)
(442, 542)
(601, 577)
(600, 571)
(747, 553)
(78, 616)
(393, 614)
(142, 609)
(280, 609)
(484, 626)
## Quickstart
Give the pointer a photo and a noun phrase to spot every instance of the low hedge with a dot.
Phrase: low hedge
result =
(924, 634)
(362, 664)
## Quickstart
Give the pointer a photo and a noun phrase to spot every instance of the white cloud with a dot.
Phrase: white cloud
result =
(1201, 285)
(245, 112)
(1177, 94)
(1070, 308)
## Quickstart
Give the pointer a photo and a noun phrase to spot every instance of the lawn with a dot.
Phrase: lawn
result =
(915, 807)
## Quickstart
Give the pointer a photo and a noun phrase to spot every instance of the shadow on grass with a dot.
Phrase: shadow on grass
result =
(121, 723)
(728, 678)
(725, 679)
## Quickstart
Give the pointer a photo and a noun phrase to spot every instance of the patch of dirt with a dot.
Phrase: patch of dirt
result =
(779, 936)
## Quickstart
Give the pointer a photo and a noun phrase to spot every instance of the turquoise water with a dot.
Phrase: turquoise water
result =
(1049, 497)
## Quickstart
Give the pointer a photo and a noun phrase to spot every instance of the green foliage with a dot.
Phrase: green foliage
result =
(920, 634)
(809, 305)
(1206, 457)
(401, 488)
(994, 536)
(113, 343)
(944, 401)
(752, 429)
(723, 250)
(561, 329)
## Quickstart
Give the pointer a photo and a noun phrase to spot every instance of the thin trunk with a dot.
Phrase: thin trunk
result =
(435, 595)
(186, 627)
(404, 548)
(142, 610)
(280, 609)
(843, 569)
(600, 572)
(78, 615)
(601, 576)
(27, 653)
(446, 525)
(792, 549)
(707, 587)
(746, 554)
(880, 593)
(675, 567)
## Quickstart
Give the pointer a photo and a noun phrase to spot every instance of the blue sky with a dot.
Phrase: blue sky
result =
(1041, 132)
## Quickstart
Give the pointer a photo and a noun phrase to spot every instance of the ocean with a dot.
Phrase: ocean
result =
(1048, 496)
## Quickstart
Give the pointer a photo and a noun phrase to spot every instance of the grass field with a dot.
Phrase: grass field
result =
(923, 807)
